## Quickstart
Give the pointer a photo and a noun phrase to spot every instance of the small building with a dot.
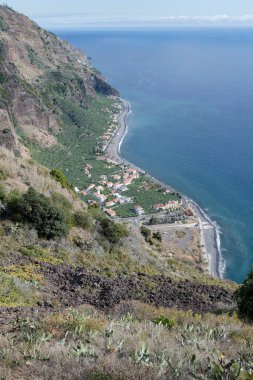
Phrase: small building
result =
(110, 204)
(123, 200)
(101, 197)
(111, 213)
(117, 186)
(99, 189)
(188, 212)
(117, 177)
(91, 187)
(159, 206)
(127, 181)
(139, 210)
(132, 171)
(133, 176)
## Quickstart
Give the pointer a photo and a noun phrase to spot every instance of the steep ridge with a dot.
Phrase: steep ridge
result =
(36, 66)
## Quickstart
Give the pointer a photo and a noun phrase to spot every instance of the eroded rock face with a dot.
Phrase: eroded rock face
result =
(8, 137)
(29, 111)
(33, 62)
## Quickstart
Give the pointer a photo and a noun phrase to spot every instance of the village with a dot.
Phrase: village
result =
(110, 193)
(124, 191)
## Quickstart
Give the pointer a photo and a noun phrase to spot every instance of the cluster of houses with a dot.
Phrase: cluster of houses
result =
(87, 169)
(110, 192)
(171, 205)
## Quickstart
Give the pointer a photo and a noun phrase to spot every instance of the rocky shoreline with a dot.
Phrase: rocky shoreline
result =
(209, 231)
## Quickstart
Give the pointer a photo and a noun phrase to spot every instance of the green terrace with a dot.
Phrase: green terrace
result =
(82, 129)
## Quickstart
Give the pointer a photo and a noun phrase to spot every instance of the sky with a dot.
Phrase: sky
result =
(100, 13)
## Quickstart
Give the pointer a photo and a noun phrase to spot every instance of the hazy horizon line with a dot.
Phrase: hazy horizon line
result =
(78, 21)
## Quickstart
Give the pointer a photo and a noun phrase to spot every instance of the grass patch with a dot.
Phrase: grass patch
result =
(27, 272)
(44, 255)
(14, 293)
(3, 173)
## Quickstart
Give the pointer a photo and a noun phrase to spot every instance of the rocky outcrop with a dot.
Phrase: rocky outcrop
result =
(74, 286)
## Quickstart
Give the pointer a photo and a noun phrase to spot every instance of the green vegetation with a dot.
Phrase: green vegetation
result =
(3, 173)
(3, 26)
(147, 194)
(15, 292)
(244, 297)
(146, 233)
(82, 219)
(164, 321)
(58, 175)
(125, 210)
(34, 251)
(12, 200)
(39, 211)
(3, 77)
(157, 235)
(113, 231)
(78, 140)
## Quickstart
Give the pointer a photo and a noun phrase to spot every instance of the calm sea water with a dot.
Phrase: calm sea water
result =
(191, 93)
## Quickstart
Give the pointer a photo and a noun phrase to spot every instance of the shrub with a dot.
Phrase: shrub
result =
(244, 298)
(146, 233)
(3, 173)
(12, 200)
(96, 213)
(164, 321)
(3, 26)
(113, 231)
(82, 219)
(61, 202)
(157, 235)
(59, 176)
(2, 193)
(39, 211)
(98, 375)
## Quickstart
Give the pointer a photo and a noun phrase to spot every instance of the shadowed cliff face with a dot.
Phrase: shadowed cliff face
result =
(36, 68)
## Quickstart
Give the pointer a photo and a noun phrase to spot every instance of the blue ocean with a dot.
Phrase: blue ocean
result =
(191, 93)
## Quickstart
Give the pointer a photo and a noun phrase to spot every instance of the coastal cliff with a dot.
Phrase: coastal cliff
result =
(36, 68)
(81, 295)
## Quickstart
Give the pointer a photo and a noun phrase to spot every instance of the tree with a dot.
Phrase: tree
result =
(244, 298)
(157, 235)
(39, 211)
(113, 231)
(145, 232)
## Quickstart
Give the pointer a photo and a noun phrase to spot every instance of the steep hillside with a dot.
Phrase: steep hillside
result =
(38, 74)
